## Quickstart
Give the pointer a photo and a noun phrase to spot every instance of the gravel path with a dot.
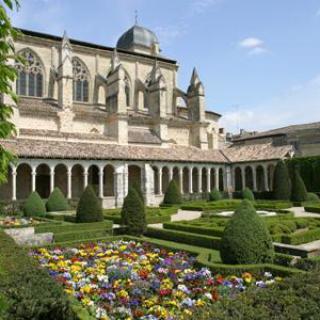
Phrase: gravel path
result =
(300, 213)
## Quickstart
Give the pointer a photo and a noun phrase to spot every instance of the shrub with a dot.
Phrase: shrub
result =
(137, 187)
(133, 214)
(34, 206)
(172, 195)
(316, 175)
(215, 195)
(57, 201)
(89, 207)
(299, 191)
(246, 239)
(312, 197)
(281, 182)
(247, 194)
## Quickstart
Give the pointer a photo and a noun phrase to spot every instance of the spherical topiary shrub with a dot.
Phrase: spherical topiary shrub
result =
(215, 195)
(246, 239)
(281, 182)
(312, 197)
(247, 194)
(57, 201)
(299, 191)
(34, 205)
(173, 194)
(133, 214)
(89, 207)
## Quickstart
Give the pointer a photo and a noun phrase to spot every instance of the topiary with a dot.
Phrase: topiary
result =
(34, 205)
(137, 187)
(173, 194)
(316, 175)
(281, 182)
(247, 194)
(133, 214)
(246, 239)
(57, 201)
(89, 207)
(312, 197)
(299, 191)
(215, 195)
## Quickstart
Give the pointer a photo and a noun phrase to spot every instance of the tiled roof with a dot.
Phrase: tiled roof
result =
(144, 136)
(256, 152)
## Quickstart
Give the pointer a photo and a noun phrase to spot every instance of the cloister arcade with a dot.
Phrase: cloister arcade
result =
(110, 179)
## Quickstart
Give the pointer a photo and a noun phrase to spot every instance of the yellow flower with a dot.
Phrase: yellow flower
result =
(200, 303)
(86, 289)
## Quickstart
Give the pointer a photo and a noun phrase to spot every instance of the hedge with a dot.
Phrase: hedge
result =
(80, 235)
(213, 232)
(314, 209)
(302, 237)
(185, 237)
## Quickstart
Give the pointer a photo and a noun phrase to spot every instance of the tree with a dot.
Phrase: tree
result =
(57, 201)
(281, 182)
(299, 191)
(89, 207)
(247, 194)
(133, 214)
(34, 205)
(8, 75)
(246, 239)
(173, 194)
(215, 195)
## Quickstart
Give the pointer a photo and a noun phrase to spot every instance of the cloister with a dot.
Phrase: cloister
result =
(110, 179)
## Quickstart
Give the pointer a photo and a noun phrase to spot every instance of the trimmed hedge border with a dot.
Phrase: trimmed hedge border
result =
(213, 232)
(314, 209)
(302, 237)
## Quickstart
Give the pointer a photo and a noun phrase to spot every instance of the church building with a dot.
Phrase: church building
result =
(91, 114)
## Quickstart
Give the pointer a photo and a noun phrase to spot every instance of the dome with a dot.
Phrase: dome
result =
(137, 36)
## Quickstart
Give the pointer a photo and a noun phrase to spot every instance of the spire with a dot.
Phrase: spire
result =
(65, 41)
(195, 77)
(156, 73)
(115, 61)
(196, 86)
(136, 16)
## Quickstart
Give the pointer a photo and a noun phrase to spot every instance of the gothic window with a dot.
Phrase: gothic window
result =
(30, 75)
(80, 81)
(127, 91)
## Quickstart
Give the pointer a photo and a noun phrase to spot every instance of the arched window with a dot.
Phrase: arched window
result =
(127, 91)
(30, 75)
(80, 81)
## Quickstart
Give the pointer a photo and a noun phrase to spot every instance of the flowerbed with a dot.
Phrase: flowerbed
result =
(9, 221)
(132, 280)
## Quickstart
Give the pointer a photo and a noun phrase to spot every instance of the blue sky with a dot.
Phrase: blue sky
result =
(258, 59)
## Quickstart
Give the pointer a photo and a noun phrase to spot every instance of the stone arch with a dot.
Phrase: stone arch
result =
(195, 180)
(271, 169)
(61, 177)
(134, 176)
(93, 177)
(108, 181)
(185, 179)
(249, 177)
(221, 179)
(260, 178)
(204, 180)
(81, 80)
(238, 179)
(77, 172)
(212, 175)
(165, 179)
(24, 181)
(43, 180)
(156, 180)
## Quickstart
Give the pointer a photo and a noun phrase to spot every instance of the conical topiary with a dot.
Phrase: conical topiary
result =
(299, 191)
(89, 207)
(133, 213)
(215, 195)
(173, 194)
(247, 194)
(137, 187)
(34, 206)
(281, 182)
(246, 239)
(57, 201)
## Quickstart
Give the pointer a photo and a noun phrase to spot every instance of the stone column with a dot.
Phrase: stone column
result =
(69, 182)
(101, 172)
(181, 179)
(254, 178)
(200, 180)
(149, 184)
(14, 183)
(170, 173)
(160, 180)
(190, 180)
(120, 183)
(243, 177)
(228, 186)
(216, 178)
(85, 177)
(208, 179)
(52, 178)
(265, 175)
(33, 181)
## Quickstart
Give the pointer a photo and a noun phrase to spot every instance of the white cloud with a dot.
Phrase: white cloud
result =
(167, 34)
(300, 104)
(255, 46)
(200, 6)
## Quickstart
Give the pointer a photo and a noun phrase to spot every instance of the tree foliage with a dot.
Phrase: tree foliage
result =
(246, 239)
(89, 207)
(215, 195)
(8, 75)
(281, 182)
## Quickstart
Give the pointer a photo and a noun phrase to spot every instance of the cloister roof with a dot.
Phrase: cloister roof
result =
(31, 148)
